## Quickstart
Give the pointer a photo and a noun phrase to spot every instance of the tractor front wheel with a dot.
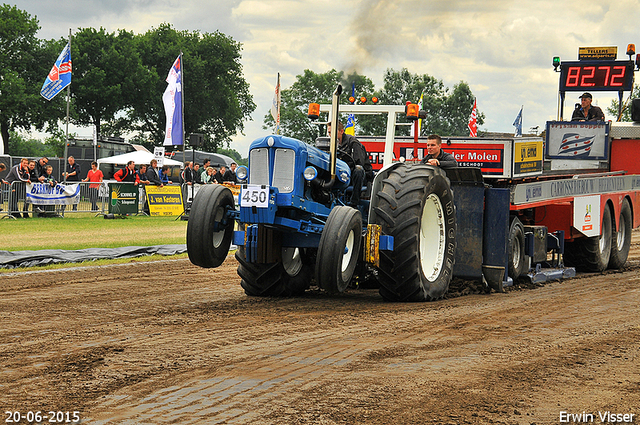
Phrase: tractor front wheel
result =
(291, 276)
(210, 230)
(339, 249)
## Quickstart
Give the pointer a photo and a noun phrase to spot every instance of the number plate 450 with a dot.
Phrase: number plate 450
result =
(254, 196)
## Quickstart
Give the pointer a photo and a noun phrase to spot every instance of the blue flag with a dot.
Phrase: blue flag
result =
(518, 123)
(172, 99)
(350, 127)
(60, 75)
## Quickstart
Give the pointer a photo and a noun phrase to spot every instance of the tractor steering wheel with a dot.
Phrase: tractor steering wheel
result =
(344, 156)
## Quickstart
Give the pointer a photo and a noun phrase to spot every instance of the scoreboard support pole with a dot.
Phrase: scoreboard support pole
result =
(620, 94)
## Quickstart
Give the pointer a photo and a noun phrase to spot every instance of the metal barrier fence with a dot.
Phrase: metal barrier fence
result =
(13, 201)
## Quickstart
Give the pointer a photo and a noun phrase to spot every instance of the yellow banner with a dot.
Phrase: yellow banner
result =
(166, 200)
(528, 151)
(527, 157)
(599, 53)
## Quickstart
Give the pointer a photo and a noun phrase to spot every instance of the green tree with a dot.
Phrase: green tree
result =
(56, 140)
(104, 72)
(457, 109)
(24, 64)
(28, 147)
(216, 95)
(234, 154)
(447, 110)
(312, 87)
(626, 108)
(360, 86)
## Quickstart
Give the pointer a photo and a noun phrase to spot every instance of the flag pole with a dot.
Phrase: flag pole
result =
(184, 141)
(278, 105)
(66, 132)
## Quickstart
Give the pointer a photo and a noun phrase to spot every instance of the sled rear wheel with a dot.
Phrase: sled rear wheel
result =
(516, 249)
(621, 239)
(415, 206)
(591, 254)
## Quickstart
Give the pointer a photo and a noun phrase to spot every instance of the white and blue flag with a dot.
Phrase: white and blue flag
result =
(275, 107)
(518, 123)
(172, 100)
(60, 75)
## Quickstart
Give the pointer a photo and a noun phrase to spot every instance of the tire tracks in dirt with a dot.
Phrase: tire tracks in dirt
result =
(172, 343)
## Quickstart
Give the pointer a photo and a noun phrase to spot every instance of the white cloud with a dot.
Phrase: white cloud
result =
(502, 49)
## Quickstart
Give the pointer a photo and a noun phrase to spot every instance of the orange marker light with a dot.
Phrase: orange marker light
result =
(412, 111)
(363, 99)
(631, 49)
(374, 99)
(314, 111)
(352, 99)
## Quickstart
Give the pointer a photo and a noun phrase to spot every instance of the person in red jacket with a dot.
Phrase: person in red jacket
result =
(95, 176)
(128, 174)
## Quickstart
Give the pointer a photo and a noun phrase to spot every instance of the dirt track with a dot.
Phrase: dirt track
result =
(167, 342)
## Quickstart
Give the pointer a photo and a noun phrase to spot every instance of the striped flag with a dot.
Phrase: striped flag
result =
(60, 75)
(275, 106)
(172, 100)
(473, 122)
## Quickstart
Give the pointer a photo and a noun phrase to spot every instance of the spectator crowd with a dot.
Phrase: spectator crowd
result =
(40, 172)
(194, 174)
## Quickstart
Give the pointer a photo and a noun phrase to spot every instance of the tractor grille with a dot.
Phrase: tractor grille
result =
(283, 170)
(259, 160)
(284, 165)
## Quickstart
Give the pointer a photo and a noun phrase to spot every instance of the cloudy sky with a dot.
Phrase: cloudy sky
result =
(502, 49)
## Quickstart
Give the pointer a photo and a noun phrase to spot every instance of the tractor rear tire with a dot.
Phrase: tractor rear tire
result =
(415, 206)
(516, 249)
(209, 231)
(339, 249)
(289, 277)
(621, 240)
(591, 254)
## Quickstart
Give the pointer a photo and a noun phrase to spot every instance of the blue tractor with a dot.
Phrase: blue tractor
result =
(292, 226)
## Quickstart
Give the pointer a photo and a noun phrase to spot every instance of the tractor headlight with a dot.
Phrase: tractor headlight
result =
(344, 177)
(242, 172)
(310, 173)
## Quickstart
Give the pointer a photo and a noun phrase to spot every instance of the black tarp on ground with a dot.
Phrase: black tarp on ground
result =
(13, 259)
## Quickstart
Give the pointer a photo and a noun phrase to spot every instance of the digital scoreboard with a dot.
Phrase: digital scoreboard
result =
(599, 75)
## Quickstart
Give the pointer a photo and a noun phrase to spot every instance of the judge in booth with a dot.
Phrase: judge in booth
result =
(585, 111)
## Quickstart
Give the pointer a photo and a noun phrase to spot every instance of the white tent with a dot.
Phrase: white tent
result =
(139, 157)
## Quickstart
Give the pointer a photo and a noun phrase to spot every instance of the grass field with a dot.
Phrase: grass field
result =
(86, 231)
